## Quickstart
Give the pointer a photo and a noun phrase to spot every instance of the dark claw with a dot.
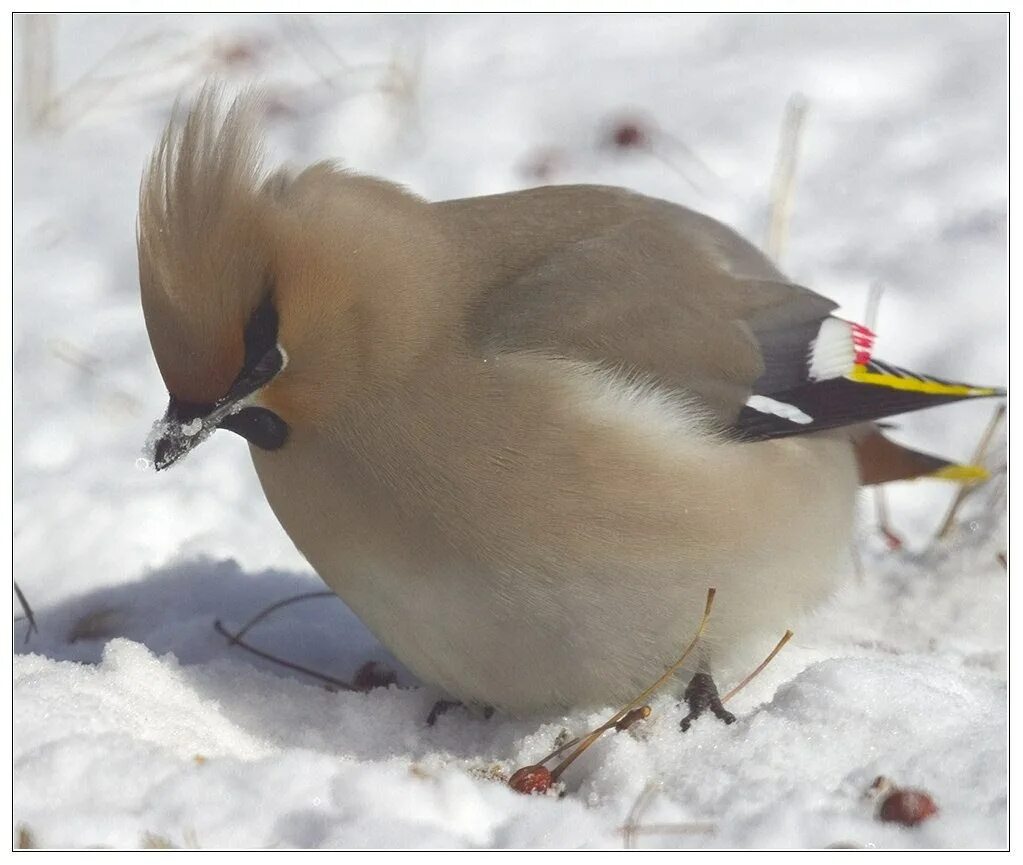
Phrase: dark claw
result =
(702, 694)
(441, 707)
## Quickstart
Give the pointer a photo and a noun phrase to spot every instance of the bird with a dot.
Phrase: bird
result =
(520, 435)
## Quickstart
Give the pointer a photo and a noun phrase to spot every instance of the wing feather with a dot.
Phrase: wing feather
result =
(678, 299)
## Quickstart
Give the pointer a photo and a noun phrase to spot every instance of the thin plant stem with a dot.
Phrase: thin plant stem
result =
(780, 645)
(291, 665)
(32, 626)
(632, 821)
(784, 176)
(636, 701)
(978, 459)
(256, 619)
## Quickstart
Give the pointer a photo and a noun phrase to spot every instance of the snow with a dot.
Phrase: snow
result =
(135, 723)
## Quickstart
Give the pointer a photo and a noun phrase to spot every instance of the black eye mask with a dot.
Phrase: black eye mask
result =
(186, 424)
(263, 360)
(262, 356)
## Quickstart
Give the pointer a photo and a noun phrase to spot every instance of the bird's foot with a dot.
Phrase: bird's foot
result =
(702, 694)
(442, 707)
(373, 675)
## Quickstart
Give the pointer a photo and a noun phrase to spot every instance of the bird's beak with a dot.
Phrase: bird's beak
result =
(185, 425)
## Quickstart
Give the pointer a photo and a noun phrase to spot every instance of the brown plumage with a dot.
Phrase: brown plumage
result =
(518, 434)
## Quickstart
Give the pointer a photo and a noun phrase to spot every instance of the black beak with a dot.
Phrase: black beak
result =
(185, 425)
(182, 427)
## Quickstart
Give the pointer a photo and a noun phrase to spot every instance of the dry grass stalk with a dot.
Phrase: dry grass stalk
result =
(397, 80)
(631, 717)
(783, 184)
(633, 827)
(639, 700)
(638, 807)
(760, 668)
(36, 92)
(152, 841)
(674, 829)
(979, 455)
(135, 70)
(892, 539)
(32, 626)
(870, 314)
(24, 839)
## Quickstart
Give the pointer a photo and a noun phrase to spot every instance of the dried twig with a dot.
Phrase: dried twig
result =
(234, 640)
(978, 459)
(262, 614)
(32, 626)
(690, 154)
(784, 176)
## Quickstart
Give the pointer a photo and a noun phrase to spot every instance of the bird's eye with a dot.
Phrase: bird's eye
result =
(260, 426)
(263, 359)
(260, 332)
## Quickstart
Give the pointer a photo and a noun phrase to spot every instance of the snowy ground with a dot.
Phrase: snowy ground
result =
(136, 724)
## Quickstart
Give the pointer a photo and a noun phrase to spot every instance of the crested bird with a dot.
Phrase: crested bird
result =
(519, 435)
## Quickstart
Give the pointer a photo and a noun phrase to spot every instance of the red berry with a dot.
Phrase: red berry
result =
(626, 135)
(531, 779)
(908, 807)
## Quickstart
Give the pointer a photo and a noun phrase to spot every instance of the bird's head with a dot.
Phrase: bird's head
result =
(269, 299)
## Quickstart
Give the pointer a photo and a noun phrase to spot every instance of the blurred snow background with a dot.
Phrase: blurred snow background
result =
(136, 724)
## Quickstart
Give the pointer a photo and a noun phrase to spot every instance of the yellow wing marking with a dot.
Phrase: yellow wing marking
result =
(860, 373)
(962, 474)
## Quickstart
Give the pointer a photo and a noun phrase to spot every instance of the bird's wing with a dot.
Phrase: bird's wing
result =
(699, 312)
(674, 297)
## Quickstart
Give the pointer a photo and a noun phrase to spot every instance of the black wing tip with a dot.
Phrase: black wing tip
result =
(870, 394)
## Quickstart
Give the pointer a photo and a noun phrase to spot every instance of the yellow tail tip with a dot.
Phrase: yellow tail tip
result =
(961, 474)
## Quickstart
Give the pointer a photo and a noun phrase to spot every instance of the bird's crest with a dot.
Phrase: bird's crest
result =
(203, 260)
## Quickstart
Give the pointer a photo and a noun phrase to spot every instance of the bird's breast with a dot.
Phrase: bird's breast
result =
(566, 570)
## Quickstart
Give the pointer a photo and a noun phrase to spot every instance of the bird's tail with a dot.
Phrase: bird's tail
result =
(846, 385)
(882, 460)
